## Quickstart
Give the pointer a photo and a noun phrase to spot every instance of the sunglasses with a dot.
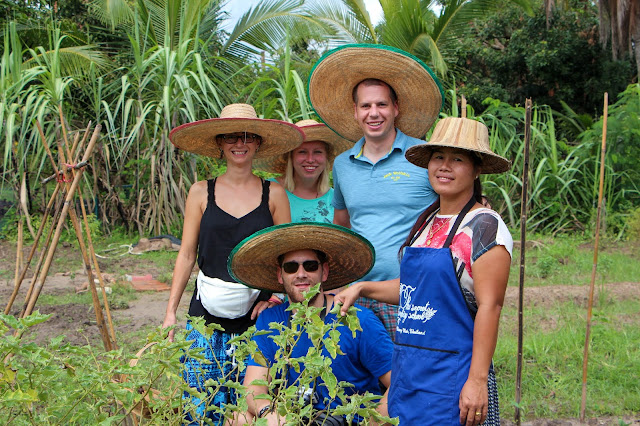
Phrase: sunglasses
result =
(308, 265)
(232, 138)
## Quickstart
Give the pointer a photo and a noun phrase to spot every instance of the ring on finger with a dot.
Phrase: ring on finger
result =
(478, 413)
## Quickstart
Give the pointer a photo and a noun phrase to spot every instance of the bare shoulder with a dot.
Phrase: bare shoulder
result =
(198, 189)
(198, 195)
(276, 189)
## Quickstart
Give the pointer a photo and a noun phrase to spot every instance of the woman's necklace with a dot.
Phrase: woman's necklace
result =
(434, 230)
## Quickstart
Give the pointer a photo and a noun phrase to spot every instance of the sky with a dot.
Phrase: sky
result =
(237, 7)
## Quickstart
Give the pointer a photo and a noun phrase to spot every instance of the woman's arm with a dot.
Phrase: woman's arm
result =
(490, 276)
(341, 217)
(382, 291)
(279, 204)
(385, 379)
(196, 202)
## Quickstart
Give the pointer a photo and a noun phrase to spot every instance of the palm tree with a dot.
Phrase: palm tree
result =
(620, 23)
(411, 25)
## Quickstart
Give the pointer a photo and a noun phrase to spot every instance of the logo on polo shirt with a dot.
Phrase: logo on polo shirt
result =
(395, 176)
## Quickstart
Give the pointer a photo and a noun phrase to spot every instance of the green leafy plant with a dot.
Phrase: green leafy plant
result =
(288, 398)
(64, 384)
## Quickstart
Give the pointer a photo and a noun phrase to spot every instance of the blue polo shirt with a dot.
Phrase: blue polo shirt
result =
(364, 358)
(383, 199)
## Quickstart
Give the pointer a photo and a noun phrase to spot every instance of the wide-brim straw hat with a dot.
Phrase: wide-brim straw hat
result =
(337, 72)
(313, 131)
(199, 137)
(460, 133)
(254, 261)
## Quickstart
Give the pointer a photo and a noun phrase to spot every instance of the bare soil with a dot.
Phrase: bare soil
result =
(77, 321)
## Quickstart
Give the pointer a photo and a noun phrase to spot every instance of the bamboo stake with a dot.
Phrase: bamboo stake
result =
(463, 107)
(94, 259)
(23, 204)
(63, 216)
(523, 241)
(102, 327)
(55, 217)
(20, 278)
(595, 259)
(47, 242)
(64, 132)
(19, 252)
(70, 170)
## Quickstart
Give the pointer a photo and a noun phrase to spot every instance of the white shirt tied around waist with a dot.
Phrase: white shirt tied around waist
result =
(225, 299)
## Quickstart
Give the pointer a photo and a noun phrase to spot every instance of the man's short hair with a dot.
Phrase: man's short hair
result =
(374, 82)
(322, 257)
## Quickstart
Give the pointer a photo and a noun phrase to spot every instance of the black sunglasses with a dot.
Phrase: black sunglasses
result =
(232, 138)
(308, 265)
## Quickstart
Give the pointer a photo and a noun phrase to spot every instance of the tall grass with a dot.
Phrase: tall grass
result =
(552, 355)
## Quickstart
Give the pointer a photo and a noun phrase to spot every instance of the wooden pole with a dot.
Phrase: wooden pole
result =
(594, 268)
(63, 215)
(94, 260)
(45, 245)
(20, 278)
(102, 326)
(463, 107)
(523, 241)
(18, 253)
(69, 171)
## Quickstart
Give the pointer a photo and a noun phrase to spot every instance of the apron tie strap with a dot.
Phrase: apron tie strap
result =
(461, 215)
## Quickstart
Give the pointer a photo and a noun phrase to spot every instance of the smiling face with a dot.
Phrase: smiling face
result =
(238, 147)
(309, 160)
(452, 172)
(375, 112)
(297, 283)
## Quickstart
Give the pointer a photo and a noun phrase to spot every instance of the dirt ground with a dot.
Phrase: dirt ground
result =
(78, 322)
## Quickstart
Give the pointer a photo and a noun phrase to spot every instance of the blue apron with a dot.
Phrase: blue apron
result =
(434, 337)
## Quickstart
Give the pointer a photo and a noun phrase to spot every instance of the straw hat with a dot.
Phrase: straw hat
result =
(199, 137)
(313, 131)
(460, 133)
(338, 71)
(254, 261)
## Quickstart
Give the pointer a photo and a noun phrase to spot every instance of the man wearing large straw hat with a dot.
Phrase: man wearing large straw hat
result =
(385, 99)
(293, 258)
(305, 172)
(219, 213)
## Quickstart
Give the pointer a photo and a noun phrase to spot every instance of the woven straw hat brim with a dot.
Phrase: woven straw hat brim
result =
(333, 77)
(491, 163)
(460, 133)
(316, 132)
(254, 261)
(199, 137)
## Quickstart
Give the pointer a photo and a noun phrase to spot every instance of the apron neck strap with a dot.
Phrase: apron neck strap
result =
(461, 216)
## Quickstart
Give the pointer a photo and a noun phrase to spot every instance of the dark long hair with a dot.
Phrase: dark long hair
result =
(477, 194)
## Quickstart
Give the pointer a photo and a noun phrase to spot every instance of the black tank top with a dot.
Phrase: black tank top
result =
(219, 233)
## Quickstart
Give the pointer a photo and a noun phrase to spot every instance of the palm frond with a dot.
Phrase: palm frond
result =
(111, 12)
(343, 25)
(265, 26)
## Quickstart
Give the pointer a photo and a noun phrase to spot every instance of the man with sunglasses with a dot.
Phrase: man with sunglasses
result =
(293, 258)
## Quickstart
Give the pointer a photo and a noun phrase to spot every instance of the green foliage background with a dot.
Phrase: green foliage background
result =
(142, 68)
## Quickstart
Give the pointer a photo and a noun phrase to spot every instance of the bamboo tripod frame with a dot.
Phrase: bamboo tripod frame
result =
(68, 176)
